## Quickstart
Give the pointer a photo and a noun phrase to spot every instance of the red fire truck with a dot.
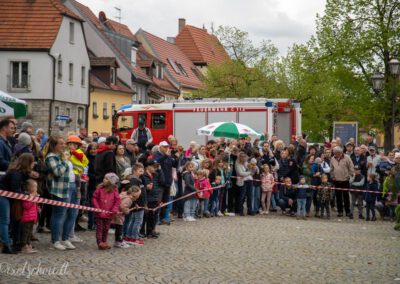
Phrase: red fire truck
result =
(182, 118)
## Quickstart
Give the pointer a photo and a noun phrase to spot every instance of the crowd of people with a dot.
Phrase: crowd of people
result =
(139, 185)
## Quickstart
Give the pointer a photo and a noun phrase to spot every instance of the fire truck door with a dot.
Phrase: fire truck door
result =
(283, 127)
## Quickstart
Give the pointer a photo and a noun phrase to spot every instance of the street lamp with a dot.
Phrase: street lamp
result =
(377, 81)
(377, 84)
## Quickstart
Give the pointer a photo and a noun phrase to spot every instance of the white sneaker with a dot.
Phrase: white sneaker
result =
(121, 245)
(186, 219)
(59, 246)
(111, 231)
(68, 245)
(219, 214)
(75, 239)
(191, 219)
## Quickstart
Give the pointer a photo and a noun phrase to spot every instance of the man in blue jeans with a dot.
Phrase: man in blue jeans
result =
(4, 225)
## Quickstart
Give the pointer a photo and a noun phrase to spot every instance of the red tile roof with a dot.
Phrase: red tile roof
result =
(167, 52)
(120, 29)
(103, 61)
(87, 14)
(200, 46)
(31, 24)
(120, 86)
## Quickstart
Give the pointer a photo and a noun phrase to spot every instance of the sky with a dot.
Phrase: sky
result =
(284, 22)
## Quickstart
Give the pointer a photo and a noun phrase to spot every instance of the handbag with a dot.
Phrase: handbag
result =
(172, 191)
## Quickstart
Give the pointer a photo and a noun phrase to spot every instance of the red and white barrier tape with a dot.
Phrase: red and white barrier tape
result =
(37, 199)
(326, 187)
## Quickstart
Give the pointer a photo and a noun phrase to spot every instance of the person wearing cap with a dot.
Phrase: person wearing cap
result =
(142, 136)
(372, 161)
(349, 148)
(24, 145)
(342, 169)
(167, 162)
(359, 160)
(153, 180)
(130, 151)
(101, 140)
(357, 181)
(105, 158)
(27, 127)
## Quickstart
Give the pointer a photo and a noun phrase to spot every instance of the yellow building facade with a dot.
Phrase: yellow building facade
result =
(103, 103)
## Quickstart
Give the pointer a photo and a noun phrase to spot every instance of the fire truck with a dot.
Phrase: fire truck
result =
(182, 118)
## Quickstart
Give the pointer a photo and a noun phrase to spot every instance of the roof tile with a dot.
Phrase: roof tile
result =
(31, 24)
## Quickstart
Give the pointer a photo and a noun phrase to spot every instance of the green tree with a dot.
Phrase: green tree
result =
(356, 37)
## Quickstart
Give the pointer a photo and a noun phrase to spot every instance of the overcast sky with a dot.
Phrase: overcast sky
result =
(284, 22)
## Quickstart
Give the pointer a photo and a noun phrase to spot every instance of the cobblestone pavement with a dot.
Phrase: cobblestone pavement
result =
(273, 249)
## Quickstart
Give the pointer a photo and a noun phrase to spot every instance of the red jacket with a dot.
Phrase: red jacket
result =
(29, 212)
(109, 201)
(203, 184)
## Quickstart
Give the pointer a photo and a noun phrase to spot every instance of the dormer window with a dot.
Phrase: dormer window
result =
(159, 72)
(113, 75)
(133, 55)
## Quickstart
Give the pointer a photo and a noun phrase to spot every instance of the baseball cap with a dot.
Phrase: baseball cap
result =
(371, 148)
(151, 162)
(101, 140)
(163, 144)
(113, 178)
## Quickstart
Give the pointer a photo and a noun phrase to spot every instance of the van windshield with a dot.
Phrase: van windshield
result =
(125, 122)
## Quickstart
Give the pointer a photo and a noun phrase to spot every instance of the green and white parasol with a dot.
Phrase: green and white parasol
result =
(10, 106)
(228, 130)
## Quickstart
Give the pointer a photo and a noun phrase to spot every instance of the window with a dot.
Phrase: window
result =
(142, 117)
(94, 106)
(83, 76)
(57, 110)
(172, 63)
(81, 116)
(68, 112)
(112, 75)
(133, 55)
(59, 68)
(182, 70)
(105, 111)
(71, 32)
(159, 72)
(196, 73)
(158, 120)
(71, 73)
(19, 75)
(112, 109)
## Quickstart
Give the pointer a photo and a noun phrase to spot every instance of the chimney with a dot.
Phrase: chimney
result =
(182, 24)
(102, 17)
(171, 39)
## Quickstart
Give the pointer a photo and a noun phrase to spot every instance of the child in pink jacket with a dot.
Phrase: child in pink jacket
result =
(204, 195)
(106, 197)
(30, 212)
(127, 197)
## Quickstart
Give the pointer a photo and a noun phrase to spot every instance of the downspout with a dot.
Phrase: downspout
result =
(54, 92)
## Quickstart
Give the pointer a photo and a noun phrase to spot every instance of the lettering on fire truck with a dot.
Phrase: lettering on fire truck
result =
(218, 109)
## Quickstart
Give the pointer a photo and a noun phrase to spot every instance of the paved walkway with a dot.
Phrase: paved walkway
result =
(273, 249)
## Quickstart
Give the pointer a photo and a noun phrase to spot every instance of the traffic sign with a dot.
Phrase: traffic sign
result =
(62, 118)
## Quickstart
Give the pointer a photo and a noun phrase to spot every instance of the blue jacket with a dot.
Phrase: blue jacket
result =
(5, 154)
(371, 197)
(157, 180)
(302, 190)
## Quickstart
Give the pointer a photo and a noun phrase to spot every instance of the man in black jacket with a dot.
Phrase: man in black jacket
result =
(167, 162)
(105, 159)
(153, 181)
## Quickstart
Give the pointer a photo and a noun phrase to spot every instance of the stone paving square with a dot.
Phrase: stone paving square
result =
(272, 249)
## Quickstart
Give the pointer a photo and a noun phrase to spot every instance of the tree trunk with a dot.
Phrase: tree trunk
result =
(388, 143)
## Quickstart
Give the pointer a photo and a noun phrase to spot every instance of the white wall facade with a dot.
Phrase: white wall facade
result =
(71, 52)
(40, 72)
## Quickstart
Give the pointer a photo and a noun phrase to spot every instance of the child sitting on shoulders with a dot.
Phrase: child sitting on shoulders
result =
(106, 197)
(29, 217)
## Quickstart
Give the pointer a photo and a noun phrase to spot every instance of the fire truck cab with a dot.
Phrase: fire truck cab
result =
(182, 118)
